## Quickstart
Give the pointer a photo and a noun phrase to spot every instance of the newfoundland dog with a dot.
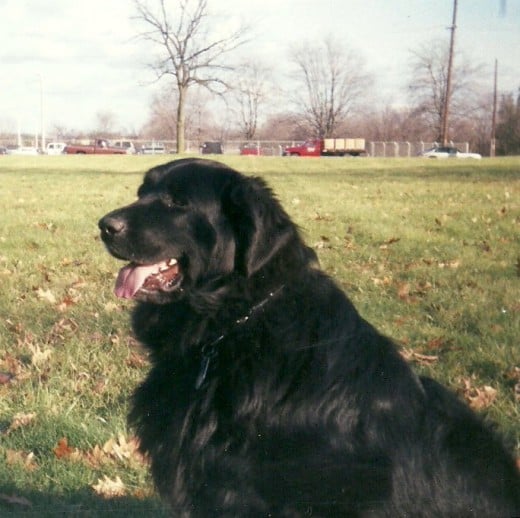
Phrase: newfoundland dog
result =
(269, 395)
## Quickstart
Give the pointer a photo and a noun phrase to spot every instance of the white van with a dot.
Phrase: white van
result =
(55, 148)
(153, 148)
(128, 145)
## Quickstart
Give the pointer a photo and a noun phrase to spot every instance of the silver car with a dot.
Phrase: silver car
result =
(449, 152)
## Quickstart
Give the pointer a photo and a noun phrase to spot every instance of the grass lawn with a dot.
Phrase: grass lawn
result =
(428, 251)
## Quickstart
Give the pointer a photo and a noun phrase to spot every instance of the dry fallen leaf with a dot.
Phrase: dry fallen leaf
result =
(109, 488)
(21, 458)
(450, 264)
(403, 291)
(388, 242)
(39, 356)
(478, 398)
(46, 295)
(63, 450)
(20, 420)
(422, 359)
(136, 361)
(385, 281)
(123, 449)
(5, 377)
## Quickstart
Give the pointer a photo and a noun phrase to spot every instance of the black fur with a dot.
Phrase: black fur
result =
(305, 409)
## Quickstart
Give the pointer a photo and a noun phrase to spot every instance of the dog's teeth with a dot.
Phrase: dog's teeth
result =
(163, 269)
(172, 262)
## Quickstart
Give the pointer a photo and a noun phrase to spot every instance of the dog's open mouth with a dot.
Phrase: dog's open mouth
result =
(138, 279)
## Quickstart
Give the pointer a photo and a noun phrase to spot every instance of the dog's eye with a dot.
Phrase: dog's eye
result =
(170, 202)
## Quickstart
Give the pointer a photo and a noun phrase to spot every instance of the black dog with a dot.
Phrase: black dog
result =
(269, 395)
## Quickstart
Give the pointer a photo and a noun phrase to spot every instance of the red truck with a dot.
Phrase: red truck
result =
(99, 147)
(328, 147)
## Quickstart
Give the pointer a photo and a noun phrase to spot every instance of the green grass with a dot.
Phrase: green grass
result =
(428, 251)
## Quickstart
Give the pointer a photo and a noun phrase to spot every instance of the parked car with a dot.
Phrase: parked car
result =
(449, 152)
(56, 148)
(328, 147)
(24, 150)
(97, 147)
(250, 148)
(128, 145)
(211, 148)
(153, 148)
(3, 150)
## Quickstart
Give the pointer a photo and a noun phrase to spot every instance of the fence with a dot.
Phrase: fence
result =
(406, 149)
(375, 149)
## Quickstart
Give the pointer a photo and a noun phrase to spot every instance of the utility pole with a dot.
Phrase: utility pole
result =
(494, 116)
(447, 95)
(42, 116)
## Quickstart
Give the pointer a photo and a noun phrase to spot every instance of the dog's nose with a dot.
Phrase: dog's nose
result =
(111, 225)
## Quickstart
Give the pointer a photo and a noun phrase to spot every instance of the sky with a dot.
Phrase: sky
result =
(78, 59)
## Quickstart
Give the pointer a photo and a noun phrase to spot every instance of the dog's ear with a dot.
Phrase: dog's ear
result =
(152, 178)
(262, 228)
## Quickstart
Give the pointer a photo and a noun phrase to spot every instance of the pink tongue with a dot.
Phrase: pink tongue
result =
(131, 278)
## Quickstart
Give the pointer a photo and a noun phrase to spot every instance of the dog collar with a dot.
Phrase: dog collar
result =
(209, 351)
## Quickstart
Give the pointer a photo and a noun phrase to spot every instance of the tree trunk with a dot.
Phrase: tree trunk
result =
(181, 120)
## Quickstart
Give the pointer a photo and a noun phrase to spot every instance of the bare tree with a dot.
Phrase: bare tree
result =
(508, 128)
(192, 51)
(105, 122)
(252, 87)
(162, 121)
(429, 74)
(333, 81)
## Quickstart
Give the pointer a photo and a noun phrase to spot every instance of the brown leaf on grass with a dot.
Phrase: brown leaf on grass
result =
(422, 359)
(388, 242)
(14, 367)
(46, 295)
(423, 287)
(136, 361)
(320, 245)
(5, 377)
(516, 391)
(385, 281)
(404, 292)
(123, 449)
(322, 217)
(20, 420)
(64, 451)
(425, 359)
(21, 458)
(108, 488)
(61, 328)
(15, 327)
(485, 246)
(513, 377)
(115, 450)
(478, 398)
(455, 263)
(39, 356)
(66, 303)
(96, 457)
(79, 284)
(513, 374)
(436, 343)
(15, 500)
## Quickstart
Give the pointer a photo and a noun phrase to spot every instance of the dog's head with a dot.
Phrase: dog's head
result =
(194, 222)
